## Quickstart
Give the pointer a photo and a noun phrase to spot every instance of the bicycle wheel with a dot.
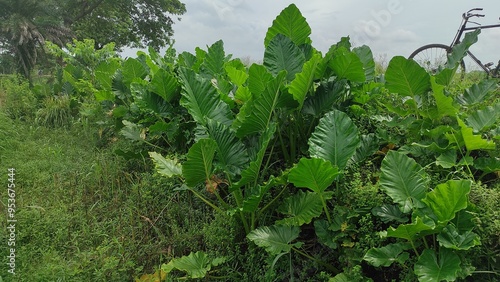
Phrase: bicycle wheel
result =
(433, 58)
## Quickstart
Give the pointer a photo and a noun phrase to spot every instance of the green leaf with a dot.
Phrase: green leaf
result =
(237, 76)
(347, 65)
(105, 71)
(282, 54)
(324, 234)
(252, 173)
(447, 159)
(196, 265)
(132, 131)
(388, 213)
(484, 118)
(366, 56)
(290, 23)
(387, 255)
(444, 103)
(368, 146)
(257, 113)
(477, 93)
(215, 59)
(166, 167)
(403, 180)
(430, 268)
(132, 69)
(275, 239)
(459, 51)
(406, 77)
(474, 142)
(451, 239)
(300, 208)
(165, 85)
(412, 231)
(328, 94)
(448, 198)
(104, 95)
(201, 99)
(258, 79)
(487, 165)
(304, 80)
(231, 152)
(198, 167)
(341, 277)
(335, 139)
(315, 174)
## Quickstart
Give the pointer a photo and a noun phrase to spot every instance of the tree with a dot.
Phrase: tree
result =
(133, 23)
(25, 25)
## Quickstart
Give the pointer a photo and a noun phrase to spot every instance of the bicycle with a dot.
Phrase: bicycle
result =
(433, 57)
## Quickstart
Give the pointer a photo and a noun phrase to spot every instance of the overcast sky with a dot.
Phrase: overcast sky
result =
(389, 27)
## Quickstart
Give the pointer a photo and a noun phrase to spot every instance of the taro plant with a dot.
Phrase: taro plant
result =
(440, 231)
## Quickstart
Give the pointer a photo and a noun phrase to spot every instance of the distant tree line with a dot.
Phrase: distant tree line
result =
(25, 25)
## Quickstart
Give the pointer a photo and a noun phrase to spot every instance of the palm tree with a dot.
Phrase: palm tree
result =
(25, 25)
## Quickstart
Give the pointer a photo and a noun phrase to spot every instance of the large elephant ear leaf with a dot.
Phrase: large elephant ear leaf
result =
(334, 139)
(406, 77)
(231, 152)
(387, 255)
(282, 54)
(301, 208)
(275, 239)
(315, 174)
(198, 167)
(201, 99)
(292, 24)
(347, 65)
(165, 85)
(403, 180)
(430, 268)
(448, 198)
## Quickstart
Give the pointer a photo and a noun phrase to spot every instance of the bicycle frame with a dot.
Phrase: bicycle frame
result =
(464, 28)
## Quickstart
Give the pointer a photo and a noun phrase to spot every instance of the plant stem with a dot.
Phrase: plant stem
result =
(205, 200)
(333, 269)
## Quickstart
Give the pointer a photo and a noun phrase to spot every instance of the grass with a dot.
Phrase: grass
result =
(83, 214)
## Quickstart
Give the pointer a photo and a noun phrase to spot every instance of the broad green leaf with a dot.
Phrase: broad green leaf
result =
(166, 167)
(411, 231)
(132, 69)
(347, 65)
(104, 95)
(231, 152)
(292, 24)
(341, 277)
(275, 239)
(315, 174)
(459, 51)
(253, 196)
(328, 94)
(304, 81)
(444, 103)
(201, 99)
(300, 208)
(334, 139)
(282, 54)
(165, 85)
(387, 255)
(451, 239)
(252, 173)
(487, 165)
(132, 131)
(368, 146)
(448, 198)
(198, 167)
(403, 180)
(477, 93)
(474, 142)
(257, 113)
(196, 265)
(388, 213)
(430, 268)
(237, 76)
(406, 77)
(366, 56)
(105, 71)
(484, 118)
(215, 59)
(447, 159)
(324, 234)
(258, 79)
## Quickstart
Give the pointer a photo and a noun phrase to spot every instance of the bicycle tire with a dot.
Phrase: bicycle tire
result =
(433, 57)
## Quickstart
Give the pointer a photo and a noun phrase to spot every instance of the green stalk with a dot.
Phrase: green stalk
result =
(326, 209)
(205, 200)
(272, 201)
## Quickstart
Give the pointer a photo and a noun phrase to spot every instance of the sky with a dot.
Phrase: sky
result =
(388, 27)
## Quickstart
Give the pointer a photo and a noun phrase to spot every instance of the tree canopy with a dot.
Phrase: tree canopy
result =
(25, 25)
